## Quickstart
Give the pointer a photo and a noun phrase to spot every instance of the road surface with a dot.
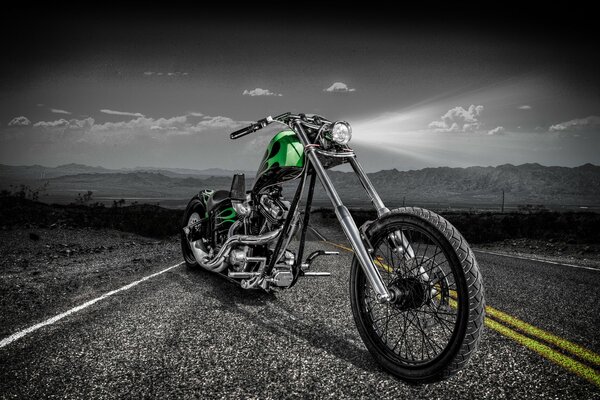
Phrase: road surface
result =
(191, 334)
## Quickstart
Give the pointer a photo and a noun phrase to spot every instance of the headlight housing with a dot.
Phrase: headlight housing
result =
(341, 132)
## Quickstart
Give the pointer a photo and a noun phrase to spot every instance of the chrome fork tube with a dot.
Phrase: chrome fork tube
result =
(348, 225)
(368, 186)
(397, 238)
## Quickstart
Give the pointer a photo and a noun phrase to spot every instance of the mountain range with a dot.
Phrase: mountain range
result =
(42, 172)
(527, 183)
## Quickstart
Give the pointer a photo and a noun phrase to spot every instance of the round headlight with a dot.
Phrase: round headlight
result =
(341, 132)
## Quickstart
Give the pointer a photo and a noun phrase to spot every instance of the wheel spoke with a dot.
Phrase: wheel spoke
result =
(419, 324)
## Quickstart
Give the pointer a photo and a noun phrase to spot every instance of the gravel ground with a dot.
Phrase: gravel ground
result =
(43, 270)
(191, 334)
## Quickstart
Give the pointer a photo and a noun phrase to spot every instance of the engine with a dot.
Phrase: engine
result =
(273, 208)
(267, 213)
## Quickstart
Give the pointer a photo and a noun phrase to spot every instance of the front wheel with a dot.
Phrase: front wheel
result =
(432, 328)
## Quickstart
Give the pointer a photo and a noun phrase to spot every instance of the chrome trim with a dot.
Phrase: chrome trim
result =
(346, 221)
(316, 274)
(403, 247)
(233, 227)
(312, 256)
(242, 275)
(369, 188)
(346, 154)
(216, 263)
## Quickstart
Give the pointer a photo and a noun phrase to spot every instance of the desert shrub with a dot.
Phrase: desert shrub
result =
(144, 219)
(25, 191)
(85, 198)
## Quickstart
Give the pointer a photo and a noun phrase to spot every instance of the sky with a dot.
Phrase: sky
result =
(163, 88)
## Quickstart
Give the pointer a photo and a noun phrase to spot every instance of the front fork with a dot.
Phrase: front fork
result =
(398, 240)
(347, 222)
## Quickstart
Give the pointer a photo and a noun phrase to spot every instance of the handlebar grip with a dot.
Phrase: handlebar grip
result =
(244, 131)
(251, 128)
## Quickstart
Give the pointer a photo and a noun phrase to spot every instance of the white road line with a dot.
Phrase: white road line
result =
(318, 234)
(538, 260)
(20, 334)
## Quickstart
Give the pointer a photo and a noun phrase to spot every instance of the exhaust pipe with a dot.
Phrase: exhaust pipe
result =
(217, 264)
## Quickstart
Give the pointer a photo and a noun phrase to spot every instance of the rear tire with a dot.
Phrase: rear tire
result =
(433, 331)
(195, 209)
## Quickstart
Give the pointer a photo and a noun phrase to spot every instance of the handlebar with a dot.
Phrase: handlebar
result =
(251, 128)
(284, 118)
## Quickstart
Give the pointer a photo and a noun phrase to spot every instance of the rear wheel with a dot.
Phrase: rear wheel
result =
(431, 329)
(193, 213)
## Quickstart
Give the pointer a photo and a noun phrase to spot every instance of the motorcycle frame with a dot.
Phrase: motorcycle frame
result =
(315, 169)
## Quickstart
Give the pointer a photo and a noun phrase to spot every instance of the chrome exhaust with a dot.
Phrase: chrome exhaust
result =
(217, 263)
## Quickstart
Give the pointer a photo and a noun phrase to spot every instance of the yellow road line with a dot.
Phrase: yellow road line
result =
(546, 336)
(547, 352)
(567, 363)
(576, 367)
(340, 246)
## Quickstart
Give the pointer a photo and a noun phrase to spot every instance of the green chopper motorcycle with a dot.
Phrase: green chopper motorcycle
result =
(415, 287)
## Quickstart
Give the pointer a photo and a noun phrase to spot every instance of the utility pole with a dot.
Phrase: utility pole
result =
(503, 201)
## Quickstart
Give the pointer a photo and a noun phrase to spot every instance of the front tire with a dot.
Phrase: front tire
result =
(433, 328)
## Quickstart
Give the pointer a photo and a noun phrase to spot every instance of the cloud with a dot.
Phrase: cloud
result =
(578, 125)
(129, 114)
(115, 133)
(259, 92)
(66, 124)
(52, 124)
(339, 87)
(19, 121)
(193, 139)
(176, 73)
(497, 131)
(59, 111)
(459, 119)
(524, 107)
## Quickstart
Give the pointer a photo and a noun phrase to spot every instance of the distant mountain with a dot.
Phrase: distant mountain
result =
(522, 183)
(527, 183)
(175, 172)
(41, 172)
(136, 184)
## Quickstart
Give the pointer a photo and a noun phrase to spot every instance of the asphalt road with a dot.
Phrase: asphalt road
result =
(191, 334)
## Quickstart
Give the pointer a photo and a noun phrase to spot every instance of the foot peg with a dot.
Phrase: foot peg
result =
(317, 274)
(309, 260)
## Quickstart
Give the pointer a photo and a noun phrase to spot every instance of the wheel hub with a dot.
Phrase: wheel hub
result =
(409, 293)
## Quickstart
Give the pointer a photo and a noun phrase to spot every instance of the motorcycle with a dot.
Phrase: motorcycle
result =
(416, 292)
